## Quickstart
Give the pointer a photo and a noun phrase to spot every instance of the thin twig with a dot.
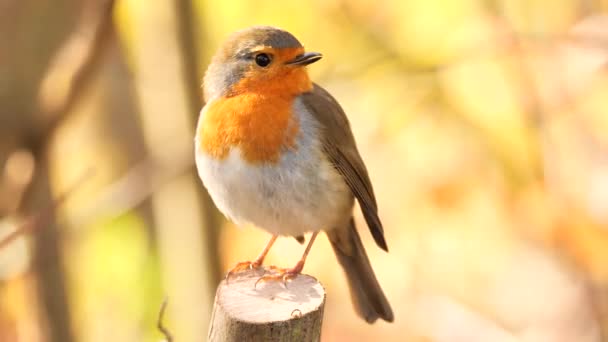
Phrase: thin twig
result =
(159, 324)
(134, 186)
(34, 222)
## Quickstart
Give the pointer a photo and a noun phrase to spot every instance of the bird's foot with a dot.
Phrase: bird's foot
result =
(281, 274)
(242, 266)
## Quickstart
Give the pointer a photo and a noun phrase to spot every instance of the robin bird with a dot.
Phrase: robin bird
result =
(275, 150)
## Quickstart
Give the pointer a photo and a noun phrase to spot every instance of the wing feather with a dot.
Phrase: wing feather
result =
(340, 146)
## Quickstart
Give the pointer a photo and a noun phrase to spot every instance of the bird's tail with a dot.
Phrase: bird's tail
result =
(367, 296)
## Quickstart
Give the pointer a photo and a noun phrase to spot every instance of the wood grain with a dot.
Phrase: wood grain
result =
(268, 312)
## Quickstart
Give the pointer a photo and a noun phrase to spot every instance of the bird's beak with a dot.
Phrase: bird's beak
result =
(305, 59)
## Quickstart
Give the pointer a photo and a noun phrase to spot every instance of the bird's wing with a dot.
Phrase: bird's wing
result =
(339, 144)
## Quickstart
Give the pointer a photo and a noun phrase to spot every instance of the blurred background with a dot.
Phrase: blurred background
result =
(483, 123)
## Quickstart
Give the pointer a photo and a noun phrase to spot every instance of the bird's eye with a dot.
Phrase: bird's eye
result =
(262, 59)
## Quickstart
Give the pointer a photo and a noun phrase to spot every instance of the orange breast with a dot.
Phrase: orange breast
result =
(259, 126)
(257, 117)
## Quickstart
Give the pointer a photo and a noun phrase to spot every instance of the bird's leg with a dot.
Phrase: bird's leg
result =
(244, 265)
(285, 274)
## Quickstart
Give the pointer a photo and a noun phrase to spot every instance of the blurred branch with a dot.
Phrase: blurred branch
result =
(504, 41)
(382, 48)
(190, 73)
(187, 42)
(72, 68)
(14, 179)
(159, 324)
(36, 221)
(590, 40)
(135, 186)
(65, 81)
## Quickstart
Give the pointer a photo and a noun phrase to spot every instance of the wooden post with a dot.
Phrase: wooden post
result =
(268, 312)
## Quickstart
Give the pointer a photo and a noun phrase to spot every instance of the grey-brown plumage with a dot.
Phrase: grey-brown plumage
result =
(342, 150)
(339, 144)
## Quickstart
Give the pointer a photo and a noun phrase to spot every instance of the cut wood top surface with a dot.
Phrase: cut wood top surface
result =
(269, 301)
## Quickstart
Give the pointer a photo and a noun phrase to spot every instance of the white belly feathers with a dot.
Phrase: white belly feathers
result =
(301, 193)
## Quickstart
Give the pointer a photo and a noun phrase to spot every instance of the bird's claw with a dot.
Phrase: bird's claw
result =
(281, 274)
(282, 277)
(242, 266)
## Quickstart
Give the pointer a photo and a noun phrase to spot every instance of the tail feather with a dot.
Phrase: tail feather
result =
(367, 295)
